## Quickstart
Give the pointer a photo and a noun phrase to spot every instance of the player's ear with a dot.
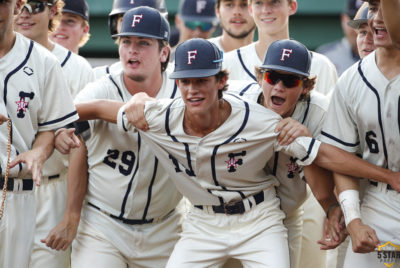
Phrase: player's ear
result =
(53, 11)
(164, 53)
(293, 7)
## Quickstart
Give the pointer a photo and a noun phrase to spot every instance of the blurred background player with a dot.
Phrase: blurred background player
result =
(237, 25)
(343, 53)
(115, 21)
(35, 98)
(195, 18)
(129, 218)
(365, 39)
(36, 21)
(73, 30)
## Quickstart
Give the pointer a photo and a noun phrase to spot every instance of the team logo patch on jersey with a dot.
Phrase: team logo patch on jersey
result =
(240, 140)
(286, 53)
(200, 5)
(27, 70)
(233, 162)
(23, 104)
(136, 19)
(292, 168)
(389, 254)
(191, 56)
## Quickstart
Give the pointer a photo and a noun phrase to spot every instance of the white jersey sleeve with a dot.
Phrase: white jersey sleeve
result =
(101, 71)
(325, 72)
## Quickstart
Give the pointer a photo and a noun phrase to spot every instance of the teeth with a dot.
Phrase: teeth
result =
(60, 36)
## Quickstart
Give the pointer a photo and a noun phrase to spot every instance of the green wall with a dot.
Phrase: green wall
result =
(316, 22)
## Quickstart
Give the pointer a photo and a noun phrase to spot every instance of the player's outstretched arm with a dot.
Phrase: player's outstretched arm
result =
(322, 185)
(61, 236)
(363, 237)
(391, 11)
(134, 110)
(99, 109)
(34, 159)
(340, 161)
(289, 129)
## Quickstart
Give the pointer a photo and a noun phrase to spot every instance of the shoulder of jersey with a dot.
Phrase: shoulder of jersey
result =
(38, 49)
(318, 58)
(319, 99)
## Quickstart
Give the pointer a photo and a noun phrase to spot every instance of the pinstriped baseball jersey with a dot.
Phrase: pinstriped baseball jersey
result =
(35, 94)
(77, 73)
(101, 71)
(125, 178)
(225, 165)
(292, 189)
(364, 114)
(241, 63)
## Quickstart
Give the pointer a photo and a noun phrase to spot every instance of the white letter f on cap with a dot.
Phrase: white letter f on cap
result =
(286, 53)
(136, 18)
(191, 56)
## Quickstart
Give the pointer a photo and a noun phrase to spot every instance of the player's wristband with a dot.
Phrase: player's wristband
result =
(330, 208)
(350, 203)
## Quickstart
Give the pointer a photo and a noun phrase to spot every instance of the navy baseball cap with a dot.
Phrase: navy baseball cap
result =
(198, 10)
(289, 56)
(356, 23)
(77, 7)
(196, 58)
(145, 22)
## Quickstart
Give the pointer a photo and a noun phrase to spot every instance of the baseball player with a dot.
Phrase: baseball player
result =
(209, 156)
(36, 100)
(241, 62)
(365, 105)
(237, 25)
(114, 23)
(73, 30)
(35, 21)
(129, 218)
(365, 41)
(305, 106)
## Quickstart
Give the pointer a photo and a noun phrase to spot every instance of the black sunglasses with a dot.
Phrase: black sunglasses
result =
(288, 80)
(35, 7)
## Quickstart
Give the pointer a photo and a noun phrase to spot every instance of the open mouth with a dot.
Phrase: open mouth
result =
(237, 21)
(380, 31)
(268, 20)
(133, 63)
(278, 101)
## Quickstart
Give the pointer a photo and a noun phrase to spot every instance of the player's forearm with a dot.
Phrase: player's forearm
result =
(321, 184)
(344, 182)
(44, 144)
(99, 109)
(391, 11)
(340, 161)
(77, 181)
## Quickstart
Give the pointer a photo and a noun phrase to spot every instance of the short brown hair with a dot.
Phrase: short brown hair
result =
(308, 82)
(222, 74)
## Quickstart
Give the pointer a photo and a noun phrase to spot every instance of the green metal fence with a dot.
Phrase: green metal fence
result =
(316, 22)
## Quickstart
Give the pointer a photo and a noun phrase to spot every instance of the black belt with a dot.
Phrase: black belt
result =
(54, 176)
(127, 221)
(27, 184)
(374, 183)
(236, 207)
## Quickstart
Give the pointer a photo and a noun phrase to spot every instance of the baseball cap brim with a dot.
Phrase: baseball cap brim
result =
(355, 24)
(284, 69)
(194, 73)
(75, 13)
(137, 34)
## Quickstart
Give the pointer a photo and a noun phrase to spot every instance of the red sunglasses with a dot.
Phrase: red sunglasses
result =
(288, 80)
